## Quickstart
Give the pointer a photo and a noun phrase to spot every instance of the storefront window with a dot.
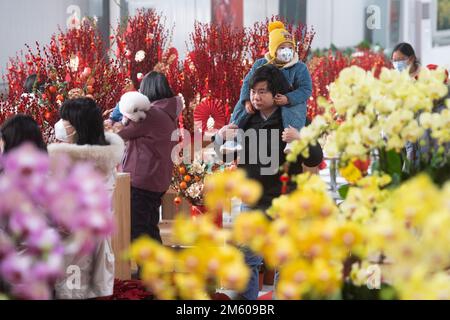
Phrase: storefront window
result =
(441, 22)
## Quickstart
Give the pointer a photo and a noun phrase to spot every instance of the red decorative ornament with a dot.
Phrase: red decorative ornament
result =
(323, 165)
(362, 165)
(52, 89)
(177, 201)
(48, 116)
(284, 178)
(210, 108)
(183, 185)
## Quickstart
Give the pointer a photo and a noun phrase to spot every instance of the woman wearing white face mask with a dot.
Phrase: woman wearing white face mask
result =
(64, 132)
(283, 54)
(404, 57)
(83, 139)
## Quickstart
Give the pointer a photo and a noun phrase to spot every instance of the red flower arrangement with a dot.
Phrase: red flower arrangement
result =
(370, 61)
(128, 290)
(219, 58)
(141, 48)
(141, 42)
(215, 66)
(324, 71)
(73, 65)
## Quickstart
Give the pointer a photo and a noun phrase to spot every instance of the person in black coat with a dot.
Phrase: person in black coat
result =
(262, 151)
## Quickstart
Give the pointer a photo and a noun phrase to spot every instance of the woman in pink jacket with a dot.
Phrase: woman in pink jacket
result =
(148, 154)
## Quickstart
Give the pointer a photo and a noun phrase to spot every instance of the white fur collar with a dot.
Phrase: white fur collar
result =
(105, 158)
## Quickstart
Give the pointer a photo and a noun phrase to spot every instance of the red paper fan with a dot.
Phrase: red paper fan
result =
(213, 108)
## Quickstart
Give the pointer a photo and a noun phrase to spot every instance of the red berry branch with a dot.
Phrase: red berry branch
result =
(141, 42)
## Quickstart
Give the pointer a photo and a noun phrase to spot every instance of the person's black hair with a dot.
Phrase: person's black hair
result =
(32, 84)
(156, 87)
(20, 129)
(407, 50)
(86, 117)
(276, 81)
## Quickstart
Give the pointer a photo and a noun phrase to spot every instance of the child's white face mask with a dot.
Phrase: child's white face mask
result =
(285, 55)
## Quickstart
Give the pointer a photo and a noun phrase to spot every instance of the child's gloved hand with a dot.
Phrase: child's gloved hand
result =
(249, 107)
(290, 134)
(281, 100)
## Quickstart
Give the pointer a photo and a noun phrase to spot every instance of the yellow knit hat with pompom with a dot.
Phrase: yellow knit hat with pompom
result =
(277, 36)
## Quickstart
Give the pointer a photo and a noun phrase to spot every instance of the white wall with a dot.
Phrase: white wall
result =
(338, 22)
(439, 56)
(28, 21)
(258, 10)
(341, 22)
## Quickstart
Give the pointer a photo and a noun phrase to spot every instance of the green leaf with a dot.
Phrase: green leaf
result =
(343, 191)
(394, 163)
(388, 293)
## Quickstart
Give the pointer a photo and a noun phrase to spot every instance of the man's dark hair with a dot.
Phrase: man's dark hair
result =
(276, 81)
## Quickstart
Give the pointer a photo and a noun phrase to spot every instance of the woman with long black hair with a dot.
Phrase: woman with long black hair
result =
(83, 140)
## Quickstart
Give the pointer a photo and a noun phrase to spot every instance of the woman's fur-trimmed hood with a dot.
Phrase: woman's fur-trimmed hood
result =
(105, 158)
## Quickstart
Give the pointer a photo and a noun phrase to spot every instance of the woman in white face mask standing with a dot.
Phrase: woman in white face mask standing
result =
(404, 57)
(83, 139)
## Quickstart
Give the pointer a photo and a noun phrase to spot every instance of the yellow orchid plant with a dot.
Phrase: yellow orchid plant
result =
(399, 229)
(309, 239)
(207, 258)
(380, 116)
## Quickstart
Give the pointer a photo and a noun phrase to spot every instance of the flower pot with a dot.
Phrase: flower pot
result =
(198, 210)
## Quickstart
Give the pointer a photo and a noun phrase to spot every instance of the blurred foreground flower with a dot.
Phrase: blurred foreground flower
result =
(43, 217)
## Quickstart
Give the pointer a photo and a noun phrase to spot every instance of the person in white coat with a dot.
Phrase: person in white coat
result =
(83, 139)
